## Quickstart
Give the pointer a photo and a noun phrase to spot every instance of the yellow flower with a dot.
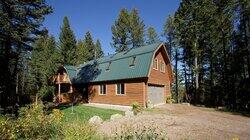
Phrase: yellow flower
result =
(235, 138)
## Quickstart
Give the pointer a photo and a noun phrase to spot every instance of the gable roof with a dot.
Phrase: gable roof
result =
(71, 71)
(116, 66)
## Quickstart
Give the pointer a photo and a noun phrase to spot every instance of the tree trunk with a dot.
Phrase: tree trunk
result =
(176, 74)
(170, 49)
(17, 84)
(6, 81)
(211, 79)
(185, 78)
(36, 98)
(196, 69)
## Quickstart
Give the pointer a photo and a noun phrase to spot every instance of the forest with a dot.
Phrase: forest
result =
(207, 41)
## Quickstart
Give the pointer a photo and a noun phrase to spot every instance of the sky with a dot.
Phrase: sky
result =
(97, 16)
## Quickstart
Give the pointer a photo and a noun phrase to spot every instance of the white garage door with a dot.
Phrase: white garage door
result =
(156, 94)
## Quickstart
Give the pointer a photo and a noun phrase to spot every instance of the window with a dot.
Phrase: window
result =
(102, 90)
(155, 64)
(162, 66)
(132, 62)
(108, 67)
(120, 89)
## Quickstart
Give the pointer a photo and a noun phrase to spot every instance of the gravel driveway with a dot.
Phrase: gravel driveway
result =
(187, 122)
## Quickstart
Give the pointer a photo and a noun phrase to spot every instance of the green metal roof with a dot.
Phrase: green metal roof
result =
(71, 71)
(96, 70)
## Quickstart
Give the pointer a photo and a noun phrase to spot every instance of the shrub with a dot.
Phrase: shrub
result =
(136, 108)
(33, 124)
(5, 128)
(79, 131)
(139, 133)
(149, 104)
(47, 93)
(170, 100)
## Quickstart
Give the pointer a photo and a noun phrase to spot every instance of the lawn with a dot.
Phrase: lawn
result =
(84, 113)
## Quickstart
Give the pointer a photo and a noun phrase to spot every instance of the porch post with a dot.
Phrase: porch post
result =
(59, 92)
(71, 89)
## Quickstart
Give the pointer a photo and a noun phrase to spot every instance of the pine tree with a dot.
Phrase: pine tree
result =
(152, 36)
(120, 31)
(90, 46)
(128, 31)
(20, 23)
(98, 49)
(43, 64)
(136, 29)
(170, 31)
(81, 53)
(67, 43)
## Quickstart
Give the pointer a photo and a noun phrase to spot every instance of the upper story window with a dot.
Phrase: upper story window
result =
(132, 62)
(108, 66)
(155, 64)
(120, 89)
(102, 90)
(162, 66)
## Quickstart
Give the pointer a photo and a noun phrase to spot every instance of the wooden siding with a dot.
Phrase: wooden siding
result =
(156, 77)
(133, 93)
(136, 90)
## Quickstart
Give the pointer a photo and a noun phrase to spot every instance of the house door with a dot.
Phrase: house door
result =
(156, 94)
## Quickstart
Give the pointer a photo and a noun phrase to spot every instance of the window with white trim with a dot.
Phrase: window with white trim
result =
(102, 90)
(120, 89)
(162, 66)
(155, 64)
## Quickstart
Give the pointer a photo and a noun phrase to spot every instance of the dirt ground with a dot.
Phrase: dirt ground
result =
(187, 122)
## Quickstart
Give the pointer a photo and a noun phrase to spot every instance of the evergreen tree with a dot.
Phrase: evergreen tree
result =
(90, 46)
(190, 20)
(120, 31)
(136, 29)
(170, 31)
(128, 31)
(67, 43)
(213, 39)
(43, 65)
(152, 36)
(81, 53)
(98, 49)
(20, 23)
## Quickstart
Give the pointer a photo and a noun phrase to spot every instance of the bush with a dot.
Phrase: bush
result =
(79, 131)
(47, 93)
(32, 124)
(169, 100)
(139, 133)
(149, 104)
(136, 108)
(5, 128)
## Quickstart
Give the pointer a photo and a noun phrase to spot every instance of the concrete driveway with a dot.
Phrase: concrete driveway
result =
(187, 122)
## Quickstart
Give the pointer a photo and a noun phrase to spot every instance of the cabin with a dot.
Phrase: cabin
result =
(139, 75)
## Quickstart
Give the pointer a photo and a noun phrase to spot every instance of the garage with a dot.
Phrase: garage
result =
(156, 94)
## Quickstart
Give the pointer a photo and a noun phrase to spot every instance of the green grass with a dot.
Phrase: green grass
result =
(84, 113)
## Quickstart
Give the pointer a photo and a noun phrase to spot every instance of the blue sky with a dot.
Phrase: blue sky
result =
(97, 16)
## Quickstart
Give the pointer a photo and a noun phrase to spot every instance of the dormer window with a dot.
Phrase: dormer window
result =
(108, 66)
(155, 64)
(132, 62)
